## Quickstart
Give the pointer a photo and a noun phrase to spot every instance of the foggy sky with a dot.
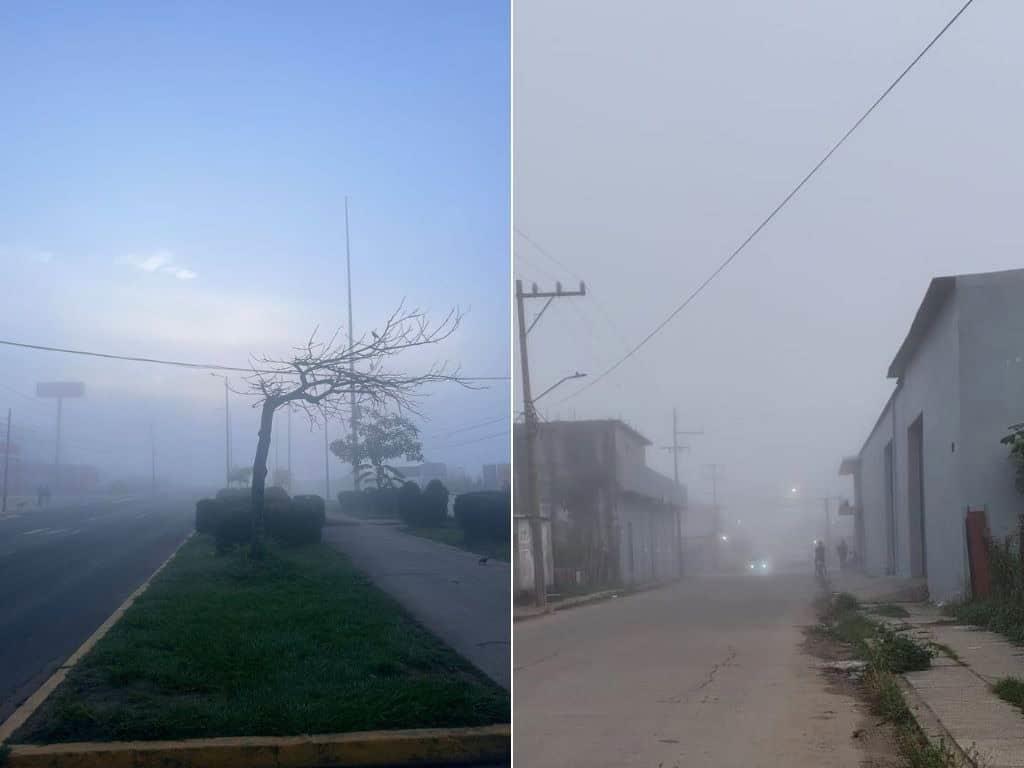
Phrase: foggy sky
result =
(174, 182)
(650, 138)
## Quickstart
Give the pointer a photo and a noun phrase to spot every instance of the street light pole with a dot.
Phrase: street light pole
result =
(354, 414)
(227, 432)
(7, 460)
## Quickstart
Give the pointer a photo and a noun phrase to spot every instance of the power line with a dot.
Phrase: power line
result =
(471, 427)
(179, 363)
(792, 193)
(470, 442)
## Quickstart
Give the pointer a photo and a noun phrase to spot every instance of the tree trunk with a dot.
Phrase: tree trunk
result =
(259, 467)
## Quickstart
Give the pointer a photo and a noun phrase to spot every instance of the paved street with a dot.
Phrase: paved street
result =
(701, 673)
(65, 569)
(446, 589)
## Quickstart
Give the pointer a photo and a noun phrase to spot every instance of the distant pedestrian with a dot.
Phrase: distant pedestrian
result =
(39, 496)
(843, 552)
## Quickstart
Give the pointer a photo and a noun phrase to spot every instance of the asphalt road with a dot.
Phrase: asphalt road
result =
(446, 589)
(65, 569)
(705, 672)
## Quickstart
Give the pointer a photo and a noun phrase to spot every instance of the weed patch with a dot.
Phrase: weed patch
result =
(1010, 689)
(890, 610)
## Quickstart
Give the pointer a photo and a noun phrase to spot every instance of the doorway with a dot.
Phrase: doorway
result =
(916, 500)
(890, 512)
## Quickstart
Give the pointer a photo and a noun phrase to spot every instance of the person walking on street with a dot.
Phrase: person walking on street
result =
(842, 551)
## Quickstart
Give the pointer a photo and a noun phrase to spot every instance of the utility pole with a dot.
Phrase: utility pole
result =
(56, 458)
(227, 432)
(676, 449)
(354, 415)
(152, 459)
(530, 427)
(718, 516)
(828, 528)
(327, 465)
(7, 461)
(290, 482)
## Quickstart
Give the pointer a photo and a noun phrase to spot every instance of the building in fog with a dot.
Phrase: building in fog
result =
(613, 520)
(423, 473)
(934, 451)
(497, 477)
(25, 477)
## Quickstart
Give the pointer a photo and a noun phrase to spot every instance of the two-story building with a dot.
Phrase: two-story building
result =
(614, 521)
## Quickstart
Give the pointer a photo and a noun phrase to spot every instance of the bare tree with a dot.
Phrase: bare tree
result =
(322, 376)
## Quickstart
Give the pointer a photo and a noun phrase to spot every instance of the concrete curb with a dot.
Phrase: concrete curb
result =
(594, 597)
(28, 708)
(929, 723)
(430, 746)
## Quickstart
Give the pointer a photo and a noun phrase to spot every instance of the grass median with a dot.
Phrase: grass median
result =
(450, 533)
(299, 643)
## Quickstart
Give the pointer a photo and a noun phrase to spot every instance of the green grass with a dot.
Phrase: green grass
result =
(297, 643)
(1010, 689)
(891, 611)
(450, 533)
(1004, 616)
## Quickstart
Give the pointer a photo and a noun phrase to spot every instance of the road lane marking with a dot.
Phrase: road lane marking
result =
(35, 530)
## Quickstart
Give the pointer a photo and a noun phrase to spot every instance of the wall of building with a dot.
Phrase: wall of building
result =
(650, 528)
(930, 388)
(522, 564)
(992, 382)
(874, 491)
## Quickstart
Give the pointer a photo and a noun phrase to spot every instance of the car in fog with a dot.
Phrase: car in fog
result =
(759, 565)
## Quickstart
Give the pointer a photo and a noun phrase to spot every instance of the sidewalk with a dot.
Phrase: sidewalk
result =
(446, 589)
(953, 700)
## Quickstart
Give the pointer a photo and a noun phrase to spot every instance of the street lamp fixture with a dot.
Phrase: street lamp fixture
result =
(561, 381)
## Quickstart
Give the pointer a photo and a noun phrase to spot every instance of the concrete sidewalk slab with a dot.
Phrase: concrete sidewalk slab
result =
(448, 590)
(957, 689)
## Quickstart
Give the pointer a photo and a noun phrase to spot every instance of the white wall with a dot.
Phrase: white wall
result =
(992, 383)
(931, 386)
(873, 489)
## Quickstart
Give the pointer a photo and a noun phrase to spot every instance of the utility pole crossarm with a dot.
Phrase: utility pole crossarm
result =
(530, 491)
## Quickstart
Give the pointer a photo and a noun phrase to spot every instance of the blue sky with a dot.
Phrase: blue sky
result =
(175, 179)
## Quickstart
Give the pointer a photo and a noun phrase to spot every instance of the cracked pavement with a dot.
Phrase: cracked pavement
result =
(707, 672)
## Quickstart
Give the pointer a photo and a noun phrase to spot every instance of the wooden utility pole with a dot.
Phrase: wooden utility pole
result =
(676, 449)
(531, 495)
(7, 461)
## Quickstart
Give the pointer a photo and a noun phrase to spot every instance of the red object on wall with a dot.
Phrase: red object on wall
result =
(977, 552)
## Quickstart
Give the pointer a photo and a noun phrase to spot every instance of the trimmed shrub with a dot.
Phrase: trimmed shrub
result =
(354, 503)
(276, 495)
(435, 503)
(233, 526)
(225, 494)
(299, 523)
(207, 512)
(382, 502)
(484, 515)
(409, 501)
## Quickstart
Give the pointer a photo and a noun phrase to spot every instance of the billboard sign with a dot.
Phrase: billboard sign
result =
(60, 389)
